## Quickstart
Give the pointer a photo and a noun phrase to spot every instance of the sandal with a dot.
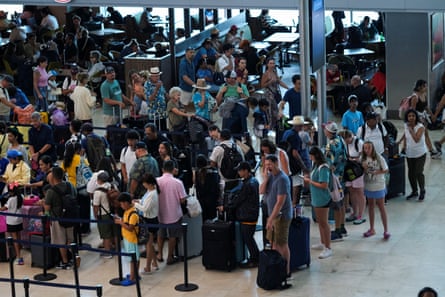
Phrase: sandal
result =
(172, 261)
(160, 259)
(147, 271)
(386, 235)
(155, 267)
(369, 233)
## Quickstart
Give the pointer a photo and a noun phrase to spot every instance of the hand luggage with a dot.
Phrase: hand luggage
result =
(396, 177)
(194, 237)
(299, 235)
(271, 270)
(85, 210)
(218, 245)
(52, 254)
(3, 255)
(116, 136)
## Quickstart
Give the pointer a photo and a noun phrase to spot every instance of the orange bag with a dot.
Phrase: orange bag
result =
(23, 115)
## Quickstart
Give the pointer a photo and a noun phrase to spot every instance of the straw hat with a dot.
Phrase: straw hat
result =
(297, 121)
(201, 84)
(154, 71)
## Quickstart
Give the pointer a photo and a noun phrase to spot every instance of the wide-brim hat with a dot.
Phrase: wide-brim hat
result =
(330, 127)
(154, 71)
(201, 84)
(297, 121)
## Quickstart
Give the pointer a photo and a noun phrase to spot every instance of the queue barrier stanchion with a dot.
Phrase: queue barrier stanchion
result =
(11, 264)
(26, 286)
(99, 291)
(186, 286)
(75, 252)
(45, 276)
(136, 274)
(117, 281)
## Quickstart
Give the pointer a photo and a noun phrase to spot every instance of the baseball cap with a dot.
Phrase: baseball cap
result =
(109, 69)
(87, 127)
(231, 74)
(371, 115)
(330, 127)
(103, 176)
(352, 97)
(141, 145)
(8, 78)
(13, 154)
(243, 165)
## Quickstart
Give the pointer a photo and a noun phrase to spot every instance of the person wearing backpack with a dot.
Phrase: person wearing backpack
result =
(226, 156)
(335, 154)
(103, 211)
(53, 205)
(96, 147)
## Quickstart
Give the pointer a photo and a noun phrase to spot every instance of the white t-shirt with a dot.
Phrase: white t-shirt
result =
(11, 204)
(128, 157)
(415, 149)
(100, 198)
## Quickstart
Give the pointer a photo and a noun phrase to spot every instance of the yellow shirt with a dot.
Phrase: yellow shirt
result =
(21, 174)
(133, 219)
(71, 171)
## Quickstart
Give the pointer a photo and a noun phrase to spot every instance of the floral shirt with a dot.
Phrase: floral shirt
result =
(157, 106)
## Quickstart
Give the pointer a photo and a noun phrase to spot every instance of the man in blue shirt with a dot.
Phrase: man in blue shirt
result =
(293, 97)
(352, 119)
(187, 78)
(41, 141)
(113, 98)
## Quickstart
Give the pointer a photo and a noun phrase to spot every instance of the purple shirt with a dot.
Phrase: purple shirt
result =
(172, 191)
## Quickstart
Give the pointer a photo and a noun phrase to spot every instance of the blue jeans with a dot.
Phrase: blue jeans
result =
(41, 104)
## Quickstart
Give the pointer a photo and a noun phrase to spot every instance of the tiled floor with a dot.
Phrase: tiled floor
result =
(360, 267)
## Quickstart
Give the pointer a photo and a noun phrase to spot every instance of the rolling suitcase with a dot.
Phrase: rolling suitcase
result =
(116, 136)
(52, 254)
(218, 245)
(194, 237)
(3, 254)
(396, 184)
(84, 201)
(299, 235)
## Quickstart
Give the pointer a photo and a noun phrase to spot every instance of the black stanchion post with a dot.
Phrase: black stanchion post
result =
(136, 273)
(99, 290)
(186, 286)
(117, 281)
(11, 264)
(26, 286)
(75, 251)
(45, 276)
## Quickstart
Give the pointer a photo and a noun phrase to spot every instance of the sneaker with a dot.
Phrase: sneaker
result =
(412, 195)
(438, 146)
(106, 255)
(289, 276)
(249, 264)
(326, 253)
(336, 236)
(343, 232)
(369, 233)
(422, 196)
(318, 246)
(436, 155)
(20, 261)
(359, 221)
(351, 218)
(65, 266)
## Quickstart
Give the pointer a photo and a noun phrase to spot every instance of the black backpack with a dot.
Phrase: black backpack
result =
(70, 206)
(231, 159)
(96, 150)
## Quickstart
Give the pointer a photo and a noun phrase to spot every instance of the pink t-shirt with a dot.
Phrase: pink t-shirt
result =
(43, 79)
(172, 190)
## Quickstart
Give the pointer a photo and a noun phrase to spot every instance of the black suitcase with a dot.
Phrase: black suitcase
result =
(52, 254)
(137, 122)
(396, 177)
(271, 270)
(299, 235)
(61, 135)
(218, 245)
(3, 254)
(84, 201)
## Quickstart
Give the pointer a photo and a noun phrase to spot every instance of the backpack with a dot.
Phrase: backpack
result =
(230, 160)
(112, 196)
(83, 174)
(70, 207)
(141, 232)
(96, 150)
(405, 104)
(335, 188)
(379, 125)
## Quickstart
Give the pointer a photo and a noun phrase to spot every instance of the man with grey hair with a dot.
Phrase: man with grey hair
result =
(5, 104)
(41, 141)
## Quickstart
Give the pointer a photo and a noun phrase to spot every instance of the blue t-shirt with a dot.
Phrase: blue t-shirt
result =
(320, 197)
(201, 111)
(294, 100)
(186, 68)
(352, 120)
(279, 185)
(111, 90)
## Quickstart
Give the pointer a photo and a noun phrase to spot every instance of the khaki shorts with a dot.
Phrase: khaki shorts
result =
(110, 120)
(280, 231)
(61, 235)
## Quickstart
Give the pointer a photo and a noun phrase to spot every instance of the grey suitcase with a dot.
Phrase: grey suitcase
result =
(52, 254)
(194, 237)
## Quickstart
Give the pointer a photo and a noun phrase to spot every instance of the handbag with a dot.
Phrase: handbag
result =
(353, 170)
(335, 188)
(218, 78)
(193, 206)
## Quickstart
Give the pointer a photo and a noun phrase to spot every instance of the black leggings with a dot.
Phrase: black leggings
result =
(248, 232)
